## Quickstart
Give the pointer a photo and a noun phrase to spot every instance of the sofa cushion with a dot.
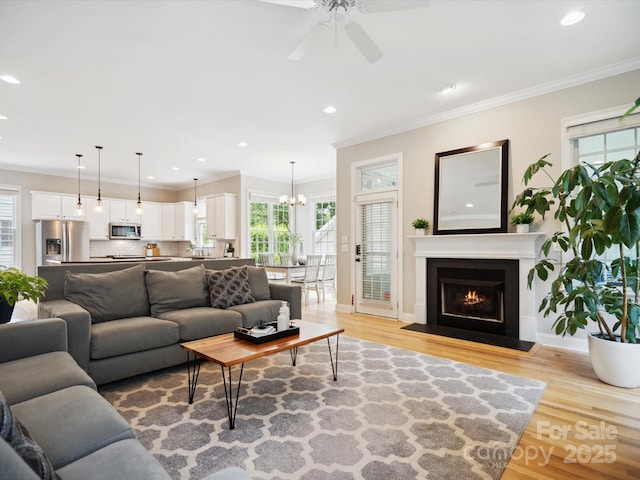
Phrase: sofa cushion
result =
(41, 374)
(72, 423)
(259, 282)
(255, 313)
(125, 459)
(229, 287)
(109, 295)
(130, 335)
(17, 436)
(12, 465)
(202, 322)
(174, 290)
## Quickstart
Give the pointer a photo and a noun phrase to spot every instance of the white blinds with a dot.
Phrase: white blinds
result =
(376, 252)
(602, 126)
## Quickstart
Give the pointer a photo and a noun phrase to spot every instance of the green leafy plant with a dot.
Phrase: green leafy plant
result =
(522, 219)
(599, 208)
(15, 285)
(295, 238)
(420, 223)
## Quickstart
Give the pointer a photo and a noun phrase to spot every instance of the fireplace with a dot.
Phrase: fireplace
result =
(478, 295)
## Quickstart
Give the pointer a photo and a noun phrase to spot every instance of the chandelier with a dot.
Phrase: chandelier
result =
(291, 200)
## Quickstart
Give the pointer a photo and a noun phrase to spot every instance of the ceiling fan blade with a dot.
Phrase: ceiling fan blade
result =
(376, 6)
(364, 43)
(308, 41)
(308, 4)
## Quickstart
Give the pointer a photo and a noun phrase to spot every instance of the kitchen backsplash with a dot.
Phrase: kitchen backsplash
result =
(103, 248)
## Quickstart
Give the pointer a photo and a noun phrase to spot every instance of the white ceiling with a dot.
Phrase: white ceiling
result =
(180, 80)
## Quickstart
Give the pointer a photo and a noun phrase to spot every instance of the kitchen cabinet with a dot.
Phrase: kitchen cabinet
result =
(221, 216)
(178, 221)
(54, 206)
(98, 221)
(151, 221)
(123, 211)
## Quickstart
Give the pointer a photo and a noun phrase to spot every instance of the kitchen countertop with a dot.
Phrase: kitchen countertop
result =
(133, 259)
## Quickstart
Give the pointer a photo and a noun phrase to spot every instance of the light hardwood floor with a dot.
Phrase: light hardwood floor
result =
(582, 428)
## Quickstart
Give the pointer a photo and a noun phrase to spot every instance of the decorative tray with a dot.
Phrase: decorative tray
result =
(248, 335)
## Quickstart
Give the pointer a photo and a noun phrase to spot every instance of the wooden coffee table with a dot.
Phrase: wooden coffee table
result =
(227, 350)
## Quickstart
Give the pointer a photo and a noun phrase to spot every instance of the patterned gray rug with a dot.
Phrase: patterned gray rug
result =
(392, 414)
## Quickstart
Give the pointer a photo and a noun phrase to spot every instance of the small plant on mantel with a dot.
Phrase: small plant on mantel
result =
(522, 219)
(421, 225)
(599, 208)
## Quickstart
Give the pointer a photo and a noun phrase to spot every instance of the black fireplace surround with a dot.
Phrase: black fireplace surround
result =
(476, 295)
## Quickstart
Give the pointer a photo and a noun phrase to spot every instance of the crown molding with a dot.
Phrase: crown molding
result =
(542, 89)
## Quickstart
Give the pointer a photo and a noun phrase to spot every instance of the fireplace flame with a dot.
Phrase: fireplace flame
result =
(472, 298)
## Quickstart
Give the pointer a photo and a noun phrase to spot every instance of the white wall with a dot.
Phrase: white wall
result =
(533, 128)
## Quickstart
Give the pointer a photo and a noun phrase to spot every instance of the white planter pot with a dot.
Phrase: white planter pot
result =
(615, 363)
(420, 231)
(522, 228)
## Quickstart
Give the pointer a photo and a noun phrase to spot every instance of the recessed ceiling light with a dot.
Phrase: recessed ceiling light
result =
(201, 159)
(448, 89)
(243, 144)
(175, 168)
(151, 177)
(469, 205)
(330, 109)
(10, 79)
(572, 18)
(2, 117)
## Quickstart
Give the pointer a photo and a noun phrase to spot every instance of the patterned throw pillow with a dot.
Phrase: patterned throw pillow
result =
(229, 287)
(16, 435)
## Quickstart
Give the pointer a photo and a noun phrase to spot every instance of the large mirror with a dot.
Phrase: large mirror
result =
(471, 189)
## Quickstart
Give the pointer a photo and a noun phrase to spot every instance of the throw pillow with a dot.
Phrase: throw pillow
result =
(229, 287)
(109, 295)
(259, 283)
(176, 290)
(16, 435)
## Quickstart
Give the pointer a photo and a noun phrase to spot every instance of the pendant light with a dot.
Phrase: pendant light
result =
(292, 201)
(195, 196)
(139, 209)
(98, 207)
(79, 207)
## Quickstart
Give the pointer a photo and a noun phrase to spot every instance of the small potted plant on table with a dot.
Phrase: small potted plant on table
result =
(421, 225)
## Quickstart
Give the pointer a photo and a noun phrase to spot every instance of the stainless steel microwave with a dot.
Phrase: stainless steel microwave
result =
(125, 231)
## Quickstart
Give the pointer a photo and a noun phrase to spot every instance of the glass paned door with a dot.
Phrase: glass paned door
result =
(376, 255)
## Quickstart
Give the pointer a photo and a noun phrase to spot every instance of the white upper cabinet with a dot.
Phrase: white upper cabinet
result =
(221, 216)
(178, 221)
(123, 211)
(151, 221)
(53, 206)
(98, 221)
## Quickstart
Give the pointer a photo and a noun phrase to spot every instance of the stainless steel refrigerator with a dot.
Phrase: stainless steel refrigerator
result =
(59, 241)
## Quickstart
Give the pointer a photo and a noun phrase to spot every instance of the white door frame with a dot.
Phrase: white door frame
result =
(356, 168)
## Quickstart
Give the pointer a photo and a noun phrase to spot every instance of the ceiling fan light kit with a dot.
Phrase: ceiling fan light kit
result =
(339, 11)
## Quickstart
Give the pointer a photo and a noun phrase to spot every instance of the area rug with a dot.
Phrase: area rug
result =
(391, 415)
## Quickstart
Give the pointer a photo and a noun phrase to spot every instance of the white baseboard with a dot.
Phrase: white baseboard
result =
(344, 308)
(568, 343)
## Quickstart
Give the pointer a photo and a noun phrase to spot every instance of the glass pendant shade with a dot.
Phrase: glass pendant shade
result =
(291, 200)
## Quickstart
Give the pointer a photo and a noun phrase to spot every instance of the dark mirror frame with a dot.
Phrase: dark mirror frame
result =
(501, 190)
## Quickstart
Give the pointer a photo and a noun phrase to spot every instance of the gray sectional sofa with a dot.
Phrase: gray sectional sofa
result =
(54, 424)
(125, 319)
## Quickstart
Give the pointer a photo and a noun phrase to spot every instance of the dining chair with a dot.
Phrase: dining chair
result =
(328, 276)
(285, 258)
(265, 259)
(310, 279)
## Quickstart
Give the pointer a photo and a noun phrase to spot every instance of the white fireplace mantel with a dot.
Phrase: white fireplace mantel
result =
(521, 246)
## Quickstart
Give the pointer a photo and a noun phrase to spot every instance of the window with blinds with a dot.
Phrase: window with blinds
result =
(376, 252)
(9, 255)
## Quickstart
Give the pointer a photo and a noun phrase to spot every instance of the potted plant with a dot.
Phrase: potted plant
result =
(421, 225)
(14, 286)
(599, 208)
(522, 221)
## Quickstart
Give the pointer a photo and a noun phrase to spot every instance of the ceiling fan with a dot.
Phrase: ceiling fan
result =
(339, 12)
